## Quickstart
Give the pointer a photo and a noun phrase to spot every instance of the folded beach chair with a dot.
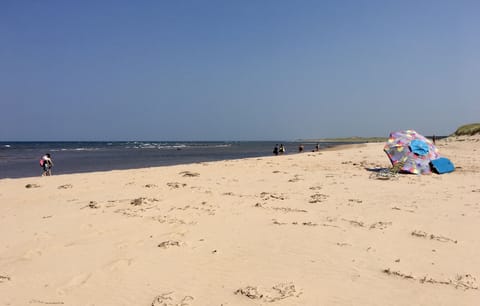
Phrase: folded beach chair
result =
(388, 173)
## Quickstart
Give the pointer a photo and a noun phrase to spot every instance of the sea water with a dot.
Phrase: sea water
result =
(21, 159)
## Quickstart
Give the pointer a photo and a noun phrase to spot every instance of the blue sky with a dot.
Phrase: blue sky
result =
(236, 70)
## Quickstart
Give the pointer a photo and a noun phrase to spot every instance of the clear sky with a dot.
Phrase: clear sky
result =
(236, 70)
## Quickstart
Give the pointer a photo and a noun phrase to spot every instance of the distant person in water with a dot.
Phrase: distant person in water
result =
(300, 148)
(317, 147)
(275, 150)
(46, 163)
(282, 149)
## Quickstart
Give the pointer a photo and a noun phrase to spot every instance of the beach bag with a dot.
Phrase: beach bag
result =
(442, 165)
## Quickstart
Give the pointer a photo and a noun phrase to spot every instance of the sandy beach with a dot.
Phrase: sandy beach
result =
(315, 228)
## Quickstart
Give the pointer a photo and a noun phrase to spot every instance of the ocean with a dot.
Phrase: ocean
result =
(21, 159)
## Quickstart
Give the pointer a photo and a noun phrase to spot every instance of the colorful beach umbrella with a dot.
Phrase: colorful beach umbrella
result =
(412, 149)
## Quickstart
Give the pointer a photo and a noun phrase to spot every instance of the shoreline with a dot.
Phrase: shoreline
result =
(327, 148)
(21, 159)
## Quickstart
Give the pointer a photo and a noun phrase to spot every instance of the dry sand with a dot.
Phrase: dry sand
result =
(300, 229)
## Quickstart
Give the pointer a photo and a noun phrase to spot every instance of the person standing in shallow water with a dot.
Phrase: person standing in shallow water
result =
(282, 149)
(275, 150)
(46, 163)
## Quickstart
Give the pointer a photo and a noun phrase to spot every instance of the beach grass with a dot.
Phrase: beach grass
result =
(468, 129)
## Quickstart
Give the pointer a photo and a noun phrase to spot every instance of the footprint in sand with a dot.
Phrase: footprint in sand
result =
(30, 254)
(377, 225)
(142, 200)
(150, 186)
(317, 198)
(66, 186)
(169, 243)
(296, 178)
(76, 281)
(288, 209)
(138, 201)
(403, 209)
(380, 225)
(274, 221)
(119, 264)
(92, 204)
(170, 299)
(308, 223)
(175, 185)
(4, 278)
(32, 186)
(189, 174)
(122, 245)
(267, 196)
(172, 220)
(275, 293)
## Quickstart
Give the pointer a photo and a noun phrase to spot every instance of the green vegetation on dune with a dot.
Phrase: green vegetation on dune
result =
(468, 129)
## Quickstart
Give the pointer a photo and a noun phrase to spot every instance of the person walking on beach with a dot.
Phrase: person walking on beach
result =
(300, 148)
(46, 163)
(275, 150)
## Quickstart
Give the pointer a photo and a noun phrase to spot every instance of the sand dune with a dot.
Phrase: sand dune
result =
(301, 229)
